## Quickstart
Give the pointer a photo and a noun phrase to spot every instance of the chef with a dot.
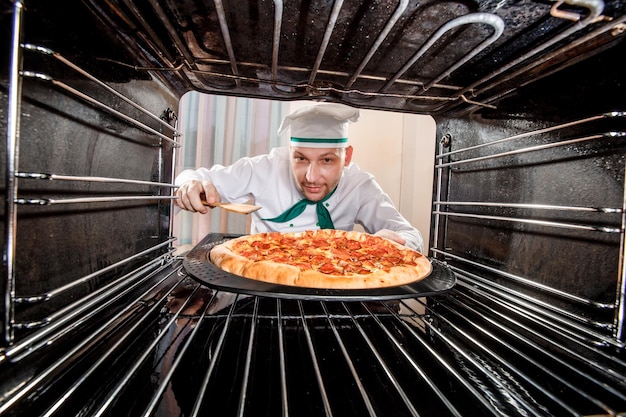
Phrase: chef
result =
(309, 185)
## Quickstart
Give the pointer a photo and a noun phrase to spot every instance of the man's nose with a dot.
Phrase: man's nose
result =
(312, 173)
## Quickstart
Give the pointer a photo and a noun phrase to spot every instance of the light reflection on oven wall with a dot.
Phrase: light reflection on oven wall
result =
(398, 149)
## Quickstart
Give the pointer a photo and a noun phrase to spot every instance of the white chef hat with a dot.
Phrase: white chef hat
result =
(320, 126)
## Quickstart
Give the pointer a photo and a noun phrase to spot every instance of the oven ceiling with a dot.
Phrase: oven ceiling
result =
(428, 57)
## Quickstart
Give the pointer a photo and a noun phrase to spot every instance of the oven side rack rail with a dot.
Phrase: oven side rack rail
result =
(77, 200)
(95, 102)
(56, 292)
(146, 280)
(160, 120)
(578, 325)
(75, 315)
(158, 253)
(527, 149)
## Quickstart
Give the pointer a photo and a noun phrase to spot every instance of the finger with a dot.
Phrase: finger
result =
(211, 195)
(183, 200)
(179, 199)
(194, 196)
(186, 194)
(400, 239)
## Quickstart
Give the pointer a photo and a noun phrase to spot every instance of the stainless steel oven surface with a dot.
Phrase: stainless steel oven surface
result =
(101, 315)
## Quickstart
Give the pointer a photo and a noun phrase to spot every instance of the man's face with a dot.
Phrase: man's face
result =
(317, 170)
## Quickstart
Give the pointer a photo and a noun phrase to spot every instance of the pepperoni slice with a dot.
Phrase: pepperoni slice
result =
(329, 268)
(378, 253)
(368, 264)
(353, 245)
(392, 259)
(341, 254)
(249, 254)
(287, 242)
(260, 244)
(319, 259)
(320, 243)
(356, 269)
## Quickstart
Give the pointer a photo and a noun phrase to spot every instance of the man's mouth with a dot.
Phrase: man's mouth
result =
(313, 189)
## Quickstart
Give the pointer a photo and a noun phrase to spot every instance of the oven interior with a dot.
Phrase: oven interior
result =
(99, 316)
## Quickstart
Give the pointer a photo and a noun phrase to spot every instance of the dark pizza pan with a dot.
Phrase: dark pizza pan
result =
(198, 265)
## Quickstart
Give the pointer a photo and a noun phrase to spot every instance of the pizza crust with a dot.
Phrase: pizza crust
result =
(225, 256)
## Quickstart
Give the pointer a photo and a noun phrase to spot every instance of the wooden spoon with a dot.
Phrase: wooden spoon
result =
(234, 207)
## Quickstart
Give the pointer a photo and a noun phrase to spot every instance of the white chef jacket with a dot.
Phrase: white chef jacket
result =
(269, 182)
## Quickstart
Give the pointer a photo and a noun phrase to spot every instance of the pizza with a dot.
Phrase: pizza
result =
(332, 259)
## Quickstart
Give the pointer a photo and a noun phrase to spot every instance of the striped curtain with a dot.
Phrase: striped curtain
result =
(220, 130)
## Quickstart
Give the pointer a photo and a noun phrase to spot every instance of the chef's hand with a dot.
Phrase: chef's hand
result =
(391, 235)
(191, 194)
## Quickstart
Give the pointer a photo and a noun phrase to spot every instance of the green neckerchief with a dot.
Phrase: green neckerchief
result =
(323, 216)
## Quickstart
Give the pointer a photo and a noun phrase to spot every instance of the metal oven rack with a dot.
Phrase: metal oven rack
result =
(192, 351)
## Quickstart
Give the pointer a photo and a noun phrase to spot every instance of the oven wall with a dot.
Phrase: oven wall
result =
(66, 251)
(537, 213)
